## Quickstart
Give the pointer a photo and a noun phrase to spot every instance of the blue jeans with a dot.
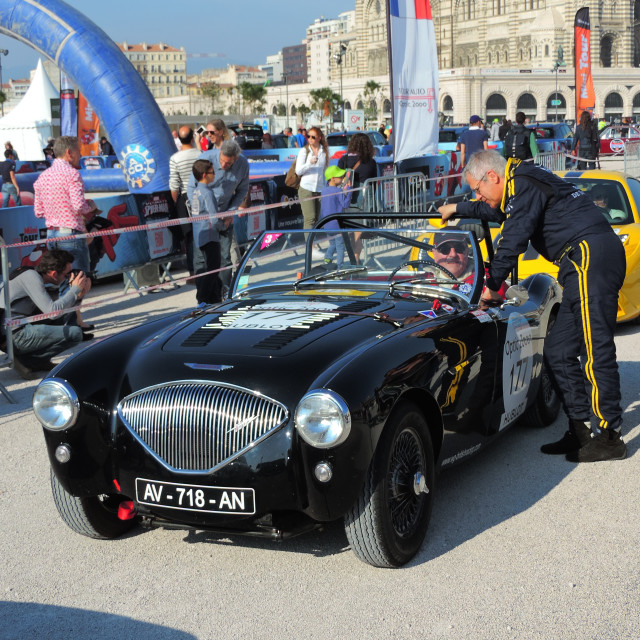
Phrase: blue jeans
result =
(78, 248)
(9, 190)
(43, 341)
(336, 245)
(226, 237)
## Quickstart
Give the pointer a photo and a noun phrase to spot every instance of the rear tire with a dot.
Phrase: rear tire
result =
(387, 524)
(546, 407)
(94, 517)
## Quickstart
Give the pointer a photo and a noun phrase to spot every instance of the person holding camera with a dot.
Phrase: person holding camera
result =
(35, 343)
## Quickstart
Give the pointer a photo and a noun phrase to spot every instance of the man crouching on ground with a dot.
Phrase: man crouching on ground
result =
(36, 343)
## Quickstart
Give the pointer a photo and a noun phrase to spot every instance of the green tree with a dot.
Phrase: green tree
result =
(253, 96)
(371, 93)
(281, 110)
(320, 96)
(211, 90)
(3, 97)
(303, 110)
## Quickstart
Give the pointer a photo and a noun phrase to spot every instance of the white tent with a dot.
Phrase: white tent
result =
(28, 125)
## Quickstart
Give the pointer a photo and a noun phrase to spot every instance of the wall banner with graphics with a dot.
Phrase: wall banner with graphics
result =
(585, 95)
(414, 78)
(88, 127)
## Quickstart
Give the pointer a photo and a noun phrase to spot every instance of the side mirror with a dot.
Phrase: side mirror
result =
(517, 295)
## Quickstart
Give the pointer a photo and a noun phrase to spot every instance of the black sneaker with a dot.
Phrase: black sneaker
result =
(23, 371)
(606, 445)
(577, 436)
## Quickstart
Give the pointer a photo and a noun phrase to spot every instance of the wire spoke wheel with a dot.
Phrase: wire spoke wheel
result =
(388, 522)
(406, 499)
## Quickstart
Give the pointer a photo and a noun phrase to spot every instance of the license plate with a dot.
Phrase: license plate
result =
(195, 497)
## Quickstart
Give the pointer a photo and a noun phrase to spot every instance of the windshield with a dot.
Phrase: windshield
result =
(394, 260)
(609, 196)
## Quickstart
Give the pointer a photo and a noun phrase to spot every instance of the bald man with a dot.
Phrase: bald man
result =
(180, 166)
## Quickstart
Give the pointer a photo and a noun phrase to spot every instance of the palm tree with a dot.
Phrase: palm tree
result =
(252, 95)
(371, 91)
(211, 90)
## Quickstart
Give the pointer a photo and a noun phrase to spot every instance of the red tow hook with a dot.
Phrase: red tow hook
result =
(126, 510)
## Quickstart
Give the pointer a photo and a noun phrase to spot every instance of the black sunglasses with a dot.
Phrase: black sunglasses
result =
(445, 247)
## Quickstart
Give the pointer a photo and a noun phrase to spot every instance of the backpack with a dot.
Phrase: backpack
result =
(292, 179)
(518, 145)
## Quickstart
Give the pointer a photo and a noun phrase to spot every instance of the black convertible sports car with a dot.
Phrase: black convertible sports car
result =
(328, 385)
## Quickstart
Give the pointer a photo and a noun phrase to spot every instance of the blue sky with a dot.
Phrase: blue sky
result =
(245, 31)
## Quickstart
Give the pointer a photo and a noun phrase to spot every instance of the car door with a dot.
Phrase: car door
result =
(518, 361)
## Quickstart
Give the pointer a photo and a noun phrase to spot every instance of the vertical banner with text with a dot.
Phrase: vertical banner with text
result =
(88, 125)
(585, 95)
(68, 113)
(414, 78)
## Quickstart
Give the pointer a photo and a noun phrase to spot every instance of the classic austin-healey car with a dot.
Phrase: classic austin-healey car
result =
(321, 389)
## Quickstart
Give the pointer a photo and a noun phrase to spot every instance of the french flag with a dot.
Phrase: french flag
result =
(414, 76)
(415, 9)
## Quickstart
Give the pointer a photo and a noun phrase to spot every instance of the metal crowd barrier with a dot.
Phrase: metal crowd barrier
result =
(632, 159)
(404, 193)
(553, 160)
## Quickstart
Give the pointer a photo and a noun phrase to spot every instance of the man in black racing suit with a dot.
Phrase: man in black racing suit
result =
(565, 227)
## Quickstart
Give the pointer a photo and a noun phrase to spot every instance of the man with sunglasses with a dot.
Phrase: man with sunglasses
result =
(452, 252)
(565, 227)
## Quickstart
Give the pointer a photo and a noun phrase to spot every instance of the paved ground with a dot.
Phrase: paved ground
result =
(521, 546)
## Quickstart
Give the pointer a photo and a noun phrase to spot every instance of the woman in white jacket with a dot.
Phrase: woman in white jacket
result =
(310, 165)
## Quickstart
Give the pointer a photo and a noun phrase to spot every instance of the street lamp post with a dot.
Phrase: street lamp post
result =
(338, 58)
(286, 85)
(3, 52)
(556, 65)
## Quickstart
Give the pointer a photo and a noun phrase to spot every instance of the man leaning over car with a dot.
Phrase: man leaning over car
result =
(565, 227)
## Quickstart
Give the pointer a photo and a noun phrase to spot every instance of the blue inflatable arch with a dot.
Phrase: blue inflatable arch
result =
(136, 127)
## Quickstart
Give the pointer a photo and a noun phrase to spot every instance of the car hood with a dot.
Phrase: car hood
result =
(264, 344)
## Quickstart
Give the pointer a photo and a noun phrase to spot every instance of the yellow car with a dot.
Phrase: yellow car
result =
(618, 195)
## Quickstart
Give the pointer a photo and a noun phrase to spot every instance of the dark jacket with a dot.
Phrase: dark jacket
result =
(587, 141)
(539, 207)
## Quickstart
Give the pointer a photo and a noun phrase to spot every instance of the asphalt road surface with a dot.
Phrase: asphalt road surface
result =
(521, 546)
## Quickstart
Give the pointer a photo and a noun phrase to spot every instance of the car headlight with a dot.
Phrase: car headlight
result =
(56, 404)
(323, 419)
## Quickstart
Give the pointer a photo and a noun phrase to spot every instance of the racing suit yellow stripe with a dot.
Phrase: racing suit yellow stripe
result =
(586, 328)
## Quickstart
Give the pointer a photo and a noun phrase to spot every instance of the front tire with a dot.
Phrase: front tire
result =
(94, 517)
(387, 524)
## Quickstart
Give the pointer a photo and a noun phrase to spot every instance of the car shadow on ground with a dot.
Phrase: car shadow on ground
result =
(498, 483)
(32, 620)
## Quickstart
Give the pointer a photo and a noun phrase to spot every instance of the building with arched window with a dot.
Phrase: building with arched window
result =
(523, 53)
(497, 57)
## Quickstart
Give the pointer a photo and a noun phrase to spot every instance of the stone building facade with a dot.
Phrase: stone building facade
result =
(497, 57)
(163, 68)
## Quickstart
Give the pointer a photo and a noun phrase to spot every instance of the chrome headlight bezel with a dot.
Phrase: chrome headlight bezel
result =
(52, 393)
(322, 419)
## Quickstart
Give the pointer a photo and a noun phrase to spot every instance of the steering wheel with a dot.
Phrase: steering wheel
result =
(417, 263)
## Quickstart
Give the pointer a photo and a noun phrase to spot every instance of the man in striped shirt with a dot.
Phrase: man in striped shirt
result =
(180, 166)
(59, 199)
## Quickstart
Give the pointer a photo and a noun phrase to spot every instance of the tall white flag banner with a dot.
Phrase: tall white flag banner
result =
(414, 75)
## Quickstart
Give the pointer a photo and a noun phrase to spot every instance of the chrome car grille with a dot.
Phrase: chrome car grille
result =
(195, 426)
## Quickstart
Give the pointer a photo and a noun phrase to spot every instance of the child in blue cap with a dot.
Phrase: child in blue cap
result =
(335, 197)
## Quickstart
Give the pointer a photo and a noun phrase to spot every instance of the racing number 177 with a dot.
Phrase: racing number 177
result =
(518, 371)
